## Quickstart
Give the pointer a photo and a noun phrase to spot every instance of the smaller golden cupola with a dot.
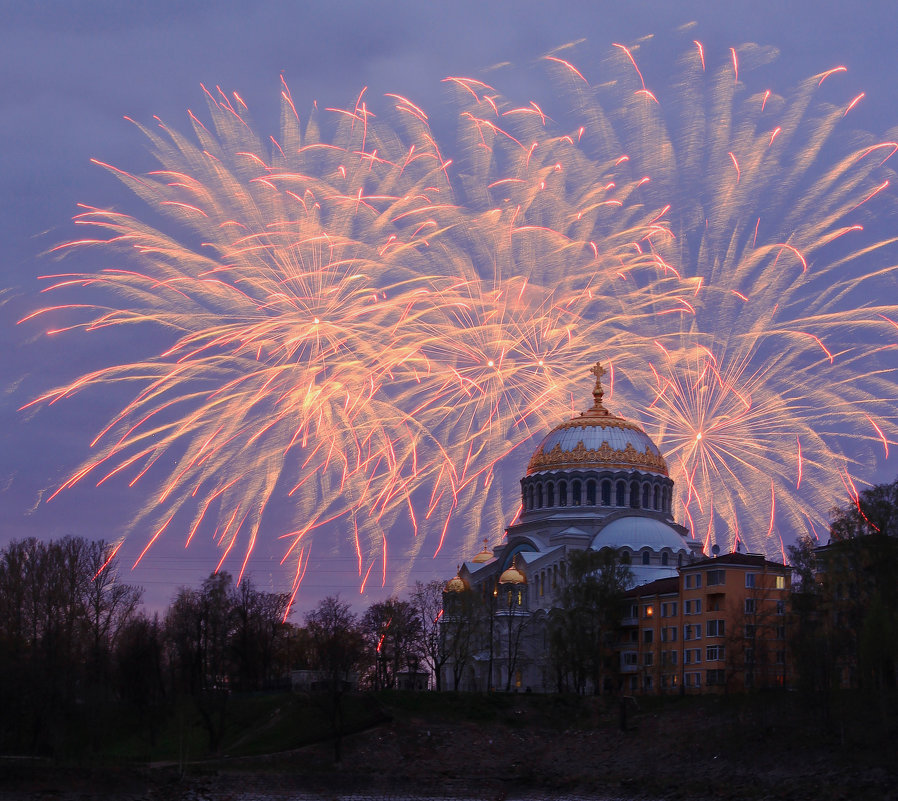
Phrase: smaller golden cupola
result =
(513, 575)
(456, 584)
(485, 555)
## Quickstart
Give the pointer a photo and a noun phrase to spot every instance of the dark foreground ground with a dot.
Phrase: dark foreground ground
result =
(751, 747)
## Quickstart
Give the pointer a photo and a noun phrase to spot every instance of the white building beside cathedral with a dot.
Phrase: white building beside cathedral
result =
(595, 481)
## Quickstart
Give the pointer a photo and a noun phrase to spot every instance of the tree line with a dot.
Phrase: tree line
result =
(77, 647)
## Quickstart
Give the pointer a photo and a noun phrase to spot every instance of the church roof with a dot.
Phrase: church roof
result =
(597, 439)
(637, 532)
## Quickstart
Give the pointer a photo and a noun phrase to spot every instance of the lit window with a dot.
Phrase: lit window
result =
(648, 611)
(781, 582)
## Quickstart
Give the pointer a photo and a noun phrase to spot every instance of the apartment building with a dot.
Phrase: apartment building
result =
(719, 626)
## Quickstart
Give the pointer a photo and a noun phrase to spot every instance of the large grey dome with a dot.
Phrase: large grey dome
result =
(597, 439)
(637, 533)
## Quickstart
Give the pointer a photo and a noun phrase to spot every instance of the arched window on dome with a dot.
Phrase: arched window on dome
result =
(550, 499)
(539, 496)
(645, 557)
(657, 497)
(562, 493)
(606, 493)
(679, 560)
(576, 490)
(634, 495)
(625, 558)
(532, 495)
(665, 500)
(645, 496)
(664, 558)
(590, 493)
(621, 498)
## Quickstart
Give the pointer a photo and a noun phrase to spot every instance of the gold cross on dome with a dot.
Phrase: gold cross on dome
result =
(598, 371)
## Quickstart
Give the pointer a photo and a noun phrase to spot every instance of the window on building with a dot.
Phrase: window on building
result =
(715, 653)
(692, 607)
(621, 493)
(606, 493)
(656, 497)
(648, 611)
(550, 495)
(646, 489)
(645, 557)
(647, 682)
(750, 631)
(669, 609)
(669, 634)
(648, 659)
(749, 656)
(750, 579)
(575, 493)
(562, 493)
(693, 656)
(664, 558)
(693, 581)
(693, 679)
(715, 677)
(781, 632)
(781, 607)
(781, 582)
(716, 578)
(750, 606)
(634, 495)
(539, 496)
(630, 658)
(648, 636)
(625, 557)
(715, 628)
(591, 493)
(631, 610)
(781, 657)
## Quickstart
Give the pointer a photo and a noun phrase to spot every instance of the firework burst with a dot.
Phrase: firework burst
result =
(360, 326)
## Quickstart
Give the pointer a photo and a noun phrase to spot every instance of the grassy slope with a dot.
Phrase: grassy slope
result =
(748, 747)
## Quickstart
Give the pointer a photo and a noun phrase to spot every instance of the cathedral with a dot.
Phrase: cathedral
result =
(595, 481)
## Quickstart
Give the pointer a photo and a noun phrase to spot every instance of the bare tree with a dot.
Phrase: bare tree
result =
(337, 649)
(427, 601)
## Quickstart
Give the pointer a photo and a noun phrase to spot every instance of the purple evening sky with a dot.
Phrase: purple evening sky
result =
(71, 71)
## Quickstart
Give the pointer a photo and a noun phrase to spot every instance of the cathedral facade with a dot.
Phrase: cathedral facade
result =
(596, 481)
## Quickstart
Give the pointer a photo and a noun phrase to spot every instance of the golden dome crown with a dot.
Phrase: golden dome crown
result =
(597, 439)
